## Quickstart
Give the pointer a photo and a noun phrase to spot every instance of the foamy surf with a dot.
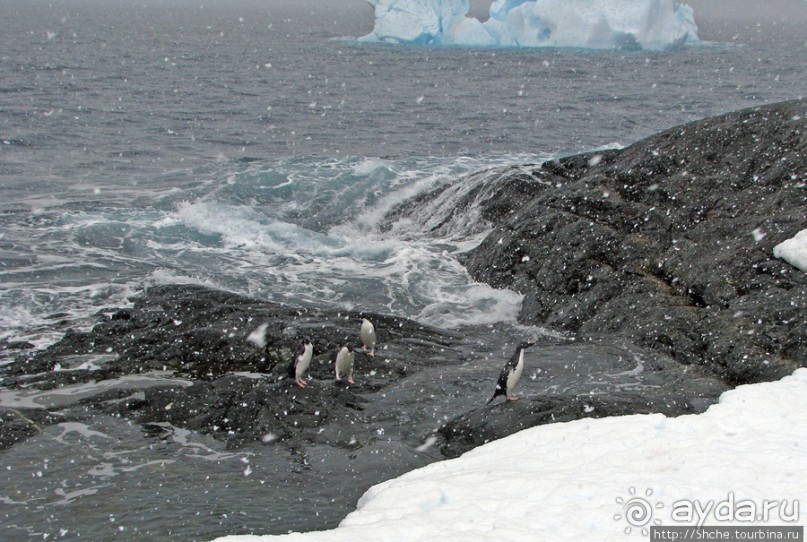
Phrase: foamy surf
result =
(304, 231)
(301, 231)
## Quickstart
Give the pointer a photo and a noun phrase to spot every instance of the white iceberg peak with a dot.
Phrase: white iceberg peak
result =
(594, 24)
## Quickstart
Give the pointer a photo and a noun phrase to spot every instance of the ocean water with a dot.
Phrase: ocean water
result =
(255, 147)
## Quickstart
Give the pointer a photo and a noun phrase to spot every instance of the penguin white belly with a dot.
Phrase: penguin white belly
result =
(344, 364)
(367, 334)
(515, 374)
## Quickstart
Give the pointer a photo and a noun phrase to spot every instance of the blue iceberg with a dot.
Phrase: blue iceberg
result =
(590, 24)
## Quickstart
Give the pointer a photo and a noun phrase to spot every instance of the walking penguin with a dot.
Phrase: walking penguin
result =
(300, 362)
(367, 335)
(511, 372)
(344, 364)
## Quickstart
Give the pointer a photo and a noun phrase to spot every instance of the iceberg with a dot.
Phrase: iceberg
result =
(590, 24)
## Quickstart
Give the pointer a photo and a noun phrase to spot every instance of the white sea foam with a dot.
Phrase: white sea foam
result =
(81, 429)
(410, 270)
(369, 166)
(189, 442)
(84, 362)
(168, 276)
(27, 311)
(67, 497)
(68, 395)
(303, 231)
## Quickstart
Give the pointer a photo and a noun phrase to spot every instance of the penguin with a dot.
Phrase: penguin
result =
(511, 372)
(300, 362)
(367, 335)
(344, 364)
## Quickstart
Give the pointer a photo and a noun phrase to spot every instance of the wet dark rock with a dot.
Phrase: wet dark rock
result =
(641, 382)
(665, 246)
(668, 242)
(243, 410)
(5, 344)
(453, 208)
(486, 424)
(235, 389)
(203, 334)
(17, 424)
(181, 357)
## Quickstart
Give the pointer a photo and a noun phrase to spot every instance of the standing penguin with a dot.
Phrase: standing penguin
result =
(300, 362)
(367, 335)
(344, 364)
(511, 372)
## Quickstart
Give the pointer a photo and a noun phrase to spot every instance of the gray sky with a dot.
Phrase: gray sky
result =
(790, 10)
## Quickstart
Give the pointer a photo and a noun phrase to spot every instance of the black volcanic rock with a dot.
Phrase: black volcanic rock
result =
(203, 334)
(18, 424)
(665, 246)
(483, 425)
(669, 242)
(181, 357)
(220, 382)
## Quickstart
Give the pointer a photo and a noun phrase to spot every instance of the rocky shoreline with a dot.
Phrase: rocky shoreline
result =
(665, 246)
(233, 389)
(668, 243)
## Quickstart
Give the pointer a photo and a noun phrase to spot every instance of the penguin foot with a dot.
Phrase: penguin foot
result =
(513, 398)
(350, 381)
(300, 382)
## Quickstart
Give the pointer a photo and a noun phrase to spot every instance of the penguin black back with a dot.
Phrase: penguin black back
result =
(510, 372)
(299, 350)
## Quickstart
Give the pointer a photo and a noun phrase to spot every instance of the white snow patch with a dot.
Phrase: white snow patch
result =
(794, 250)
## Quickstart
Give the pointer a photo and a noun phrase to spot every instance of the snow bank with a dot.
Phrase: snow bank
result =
(794, 250)
(582, 480)
(596, 24)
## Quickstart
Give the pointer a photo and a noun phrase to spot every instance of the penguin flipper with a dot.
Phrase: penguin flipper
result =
(499, 391)
(501, 383)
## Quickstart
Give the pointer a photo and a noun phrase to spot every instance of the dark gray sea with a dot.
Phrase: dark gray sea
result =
(255, 146)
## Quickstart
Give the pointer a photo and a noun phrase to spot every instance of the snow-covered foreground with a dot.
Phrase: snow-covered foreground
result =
(604, 479)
